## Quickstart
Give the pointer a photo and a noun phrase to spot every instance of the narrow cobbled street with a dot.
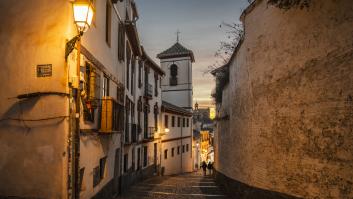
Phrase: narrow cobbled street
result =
(184, 186)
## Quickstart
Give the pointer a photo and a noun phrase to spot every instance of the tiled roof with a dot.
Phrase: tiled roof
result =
(174, 108)
(177, 50)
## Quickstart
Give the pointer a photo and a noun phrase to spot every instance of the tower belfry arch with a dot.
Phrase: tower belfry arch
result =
(177, 87)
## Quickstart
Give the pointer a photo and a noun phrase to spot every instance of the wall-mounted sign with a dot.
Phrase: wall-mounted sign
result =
(44, 70)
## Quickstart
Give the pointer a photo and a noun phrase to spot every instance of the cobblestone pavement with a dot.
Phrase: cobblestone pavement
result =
(183, 186)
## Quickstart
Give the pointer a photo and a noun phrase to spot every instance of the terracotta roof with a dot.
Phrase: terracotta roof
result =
(177, 50)
(168, 107)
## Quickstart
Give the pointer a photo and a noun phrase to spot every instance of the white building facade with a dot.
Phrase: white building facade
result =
(177, 83)
(176, 147)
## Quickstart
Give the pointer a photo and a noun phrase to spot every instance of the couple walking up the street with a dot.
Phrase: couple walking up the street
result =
(208, 166)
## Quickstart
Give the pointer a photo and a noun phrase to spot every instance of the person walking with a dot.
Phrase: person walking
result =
(210, 167)
(204, 166)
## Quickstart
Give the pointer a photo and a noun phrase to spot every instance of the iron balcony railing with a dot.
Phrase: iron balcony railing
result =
(148, 90)
(134, 133)
(131, 133)
(149, 134)
(127, 133)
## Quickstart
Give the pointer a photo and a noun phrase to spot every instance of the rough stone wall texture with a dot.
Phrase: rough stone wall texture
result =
(291, 91)
(33, 158)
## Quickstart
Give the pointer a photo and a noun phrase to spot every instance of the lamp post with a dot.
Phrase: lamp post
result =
(83, 15)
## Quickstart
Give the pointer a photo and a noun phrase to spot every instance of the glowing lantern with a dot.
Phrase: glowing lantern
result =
(83, 15)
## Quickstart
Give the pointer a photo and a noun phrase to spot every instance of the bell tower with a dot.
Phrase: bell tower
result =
(177, 86)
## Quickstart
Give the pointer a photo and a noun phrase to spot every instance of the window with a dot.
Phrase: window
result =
(156, 84)
(183, 148)
(187, 122)
(173, 75)
(173, 121)
(140, 74)
(121, 40)
(138, 158)
(178, 121)
(98, 172)
(96, 176)
(126, 163)
(108, 22)
(105, 88)
(166, 154)
(128, 61)
(166, 121)
(102, 163)
(82, 172)
(183, 121)
(91, 87)
(173, 152)
(133, 63)
(178, 151)
(187, 147)
(145, 156)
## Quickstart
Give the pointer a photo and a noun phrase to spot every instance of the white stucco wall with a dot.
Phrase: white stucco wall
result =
(33, 155)
(181, 94)
(177, 136)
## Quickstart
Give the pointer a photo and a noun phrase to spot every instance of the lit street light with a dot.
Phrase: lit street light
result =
(83, 15)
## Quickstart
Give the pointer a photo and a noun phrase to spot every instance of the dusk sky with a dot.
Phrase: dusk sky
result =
(198, 21)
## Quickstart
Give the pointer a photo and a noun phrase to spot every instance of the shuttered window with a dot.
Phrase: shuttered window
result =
(108, 23)
(121, 42)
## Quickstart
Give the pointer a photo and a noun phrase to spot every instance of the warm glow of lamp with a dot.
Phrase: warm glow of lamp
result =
(166, 130)
(212, 113)
(83, 15)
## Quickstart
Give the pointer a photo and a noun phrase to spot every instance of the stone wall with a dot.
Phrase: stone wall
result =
(291, 113)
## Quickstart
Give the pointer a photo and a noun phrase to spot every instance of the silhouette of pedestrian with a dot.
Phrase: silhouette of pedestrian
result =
(210, 167)
(204, 166)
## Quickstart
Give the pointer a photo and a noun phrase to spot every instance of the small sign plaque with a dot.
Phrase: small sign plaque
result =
(44, 70)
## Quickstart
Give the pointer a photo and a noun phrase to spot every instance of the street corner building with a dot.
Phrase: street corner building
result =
(75, 103)
(284, 106)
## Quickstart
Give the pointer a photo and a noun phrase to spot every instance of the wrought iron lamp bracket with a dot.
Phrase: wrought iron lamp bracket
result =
(70, 45)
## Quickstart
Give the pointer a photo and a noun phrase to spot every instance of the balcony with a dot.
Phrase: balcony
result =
(127, 139)
(148, 90)
(131, 134)
(111, 116)
(149, 134)
(134, 133)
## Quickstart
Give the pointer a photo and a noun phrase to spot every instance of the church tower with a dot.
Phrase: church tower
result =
(177, 87)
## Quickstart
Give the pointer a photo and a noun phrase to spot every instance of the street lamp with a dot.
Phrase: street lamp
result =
(166, 130)
(83, 15)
